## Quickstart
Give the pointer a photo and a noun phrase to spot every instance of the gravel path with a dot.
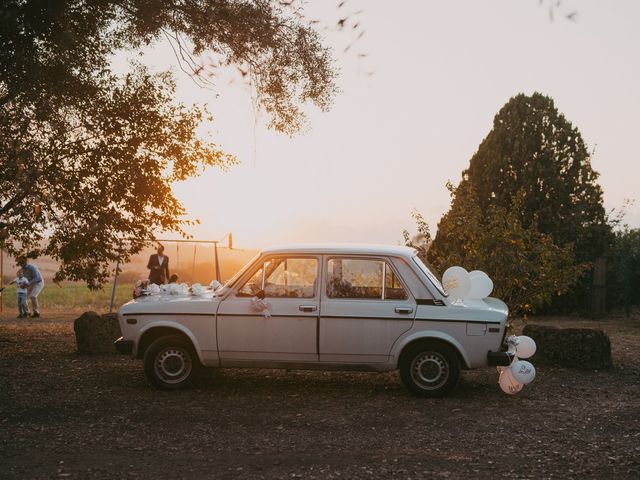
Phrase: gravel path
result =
(69, 416)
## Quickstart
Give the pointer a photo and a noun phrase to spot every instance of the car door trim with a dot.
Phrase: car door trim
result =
(258, 314)
(364, 317)
(199, 314)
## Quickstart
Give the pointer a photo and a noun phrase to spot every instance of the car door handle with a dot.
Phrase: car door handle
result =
(404, 310)
(307, 308)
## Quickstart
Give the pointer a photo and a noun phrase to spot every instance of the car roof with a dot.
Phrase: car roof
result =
(343, 249)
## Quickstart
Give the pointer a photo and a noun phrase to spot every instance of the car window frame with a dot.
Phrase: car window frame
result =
(386, 260)
(260, 264)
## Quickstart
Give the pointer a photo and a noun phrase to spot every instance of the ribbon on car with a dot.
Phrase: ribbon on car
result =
(261, 305)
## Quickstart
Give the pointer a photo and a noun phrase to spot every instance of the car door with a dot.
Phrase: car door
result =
(281, 328)
(365, 307)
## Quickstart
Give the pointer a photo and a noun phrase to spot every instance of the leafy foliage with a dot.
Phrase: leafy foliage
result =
(528, 210)
(623, 275)
(526, 266)
(535, 152)
(87, 157)
(421, 241)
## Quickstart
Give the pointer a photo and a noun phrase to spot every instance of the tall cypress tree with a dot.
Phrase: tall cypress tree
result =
(535, 165)
(534, 151)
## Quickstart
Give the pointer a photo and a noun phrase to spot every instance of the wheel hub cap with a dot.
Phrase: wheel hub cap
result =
(429, 370)
(173, 365)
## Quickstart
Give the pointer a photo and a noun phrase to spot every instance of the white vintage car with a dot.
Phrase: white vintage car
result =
(328, 307)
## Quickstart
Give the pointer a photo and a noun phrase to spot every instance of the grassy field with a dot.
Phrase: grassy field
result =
(190, 263)
(73, 297)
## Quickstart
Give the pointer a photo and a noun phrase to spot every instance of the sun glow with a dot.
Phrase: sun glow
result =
(394, 137)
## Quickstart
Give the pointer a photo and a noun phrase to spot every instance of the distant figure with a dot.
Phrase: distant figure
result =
(158, 267)
(173, 278)
(22, 284)
(36, 284)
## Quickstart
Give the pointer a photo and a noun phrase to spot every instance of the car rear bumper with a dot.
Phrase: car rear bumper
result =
(124, 346)
(499, 359)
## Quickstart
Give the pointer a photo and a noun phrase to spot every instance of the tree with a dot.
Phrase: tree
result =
(623, 269)
(421, 241)
(87, 157)
(534, 165)
(526, 266)
(535, 150)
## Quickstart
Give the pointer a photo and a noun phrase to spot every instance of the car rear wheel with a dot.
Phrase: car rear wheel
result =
(429, 369)
(171, 363)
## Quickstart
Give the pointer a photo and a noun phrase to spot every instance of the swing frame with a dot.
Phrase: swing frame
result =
(177, 242)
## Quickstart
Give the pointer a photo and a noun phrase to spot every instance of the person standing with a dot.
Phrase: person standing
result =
(21, 289)
(36, 284)
(158, 267)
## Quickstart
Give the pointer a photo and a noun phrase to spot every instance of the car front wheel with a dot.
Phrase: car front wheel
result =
(429, 369)
(171, 363)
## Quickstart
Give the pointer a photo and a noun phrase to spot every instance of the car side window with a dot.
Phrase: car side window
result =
(284, 277)
(363, 279)
(393, 289)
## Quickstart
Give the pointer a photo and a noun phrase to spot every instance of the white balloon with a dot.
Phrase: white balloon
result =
(456, 282)
(508, 384)
(523, 371)
(481, 285)
(526, 347)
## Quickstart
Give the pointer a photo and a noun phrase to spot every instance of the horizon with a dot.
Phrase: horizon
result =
(332, 183)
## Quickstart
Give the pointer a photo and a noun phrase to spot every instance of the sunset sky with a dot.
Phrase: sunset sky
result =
(411, 114)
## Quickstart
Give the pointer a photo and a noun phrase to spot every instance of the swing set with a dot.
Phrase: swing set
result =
(195, 243)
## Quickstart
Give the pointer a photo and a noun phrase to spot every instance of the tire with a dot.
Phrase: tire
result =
(429, 369)
(171, 363)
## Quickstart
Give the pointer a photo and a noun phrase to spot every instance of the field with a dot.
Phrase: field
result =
(72, 297)
(190, 265)
(63, 415)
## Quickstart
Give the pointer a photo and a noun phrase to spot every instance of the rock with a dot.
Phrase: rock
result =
(583, 348)
(96, 333)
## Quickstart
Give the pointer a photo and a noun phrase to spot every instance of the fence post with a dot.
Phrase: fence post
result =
(215, 252)
(115, 283)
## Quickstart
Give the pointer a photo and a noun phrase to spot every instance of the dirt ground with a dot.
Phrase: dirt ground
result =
(68, 416)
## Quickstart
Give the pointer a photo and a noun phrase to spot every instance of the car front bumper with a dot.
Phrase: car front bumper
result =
(499, 359)
(124, 346)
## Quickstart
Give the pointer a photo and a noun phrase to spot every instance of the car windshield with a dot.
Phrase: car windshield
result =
(430, 272)
(240, 272)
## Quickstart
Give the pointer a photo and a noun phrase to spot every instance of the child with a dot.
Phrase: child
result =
(21, 288)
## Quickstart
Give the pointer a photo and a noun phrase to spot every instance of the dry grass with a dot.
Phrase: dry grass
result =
(71, 297)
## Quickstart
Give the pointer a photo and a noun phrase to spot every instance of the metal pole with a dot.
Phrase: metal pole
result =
(115, 283)
(215, 250)
(193, 265)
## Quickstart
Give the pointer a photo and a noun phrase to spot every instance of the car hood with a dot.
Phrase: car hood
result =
(206, 303)
(497, 306)
(486, 309)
